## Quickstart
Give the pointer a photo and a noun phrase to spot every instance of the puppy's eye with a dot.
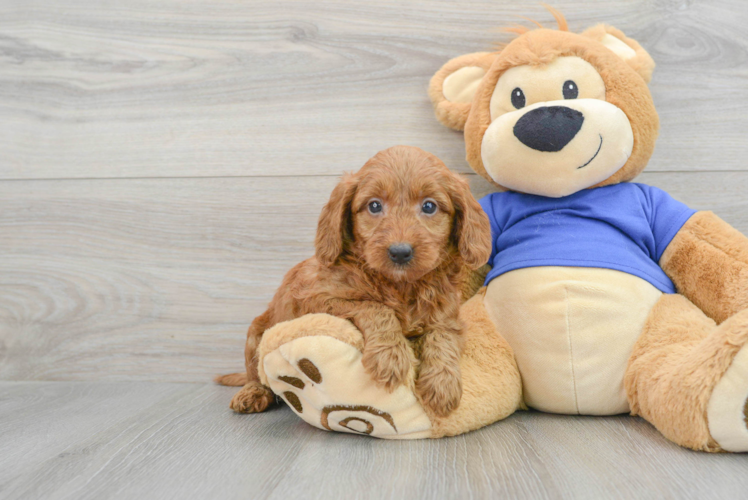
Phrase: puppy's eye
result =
(570, 90)
(429, 207)
(375, 207)
(518, 98)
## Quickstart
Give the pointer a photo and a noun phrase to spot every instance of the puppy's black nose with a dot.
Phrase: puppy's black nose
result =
(549, 128)
(401, 253)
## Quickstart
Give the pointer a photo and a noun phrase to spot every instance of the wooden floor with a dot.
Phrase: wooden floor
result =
(163, 163)
(86, 440)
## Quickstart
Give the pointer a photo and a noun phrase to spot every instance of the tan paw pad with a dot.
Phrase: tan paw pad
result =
(323, 380)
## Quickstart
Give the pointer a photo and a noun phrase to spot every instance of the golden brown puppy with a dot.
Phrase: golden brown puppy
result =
(393, 249)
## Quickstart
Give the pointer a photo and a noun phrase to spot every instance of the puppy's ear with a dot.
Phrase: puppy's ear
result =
(472, 230)
(624, 47)
(452, 87)
(334, 227)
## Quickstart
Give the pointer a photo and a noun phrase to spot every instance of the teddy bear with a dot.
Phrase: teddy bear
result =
(603, 297)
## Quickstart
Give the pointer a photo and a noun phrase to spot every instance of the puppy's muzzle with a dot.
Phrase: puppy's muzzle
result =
(400, 253)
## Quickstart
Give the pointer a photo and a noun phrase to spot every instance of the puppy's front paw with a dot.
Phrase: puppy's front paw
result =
(388, 364)
(440, 390)
(252, 398)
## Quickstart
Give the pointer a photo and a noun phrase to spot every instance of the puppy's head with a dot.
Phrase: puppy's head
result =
(403, 214)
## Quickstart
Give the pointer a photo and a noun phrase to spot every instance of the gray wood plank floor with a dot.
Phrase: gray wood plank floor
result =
(162, 165)
(151, 440)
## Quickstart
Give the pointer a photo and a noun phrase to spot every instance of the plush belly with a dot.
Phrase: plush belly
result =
(572, 330)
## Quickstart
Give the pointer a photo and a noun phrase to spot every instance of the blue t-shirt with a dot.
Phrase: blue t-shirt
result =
(625, 227)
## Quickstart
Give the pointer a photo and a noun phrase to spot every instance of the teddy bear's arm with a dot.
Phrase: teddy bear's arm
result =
(708, 262)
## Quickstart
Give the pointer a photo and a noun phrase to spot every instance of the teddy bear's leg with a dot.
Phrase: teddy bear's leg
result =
(688, 376)
(314, 364)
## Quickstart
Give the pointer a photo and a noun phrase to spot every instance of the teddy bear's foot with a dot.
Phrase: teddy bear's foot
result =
(727, 411)
(315, 364)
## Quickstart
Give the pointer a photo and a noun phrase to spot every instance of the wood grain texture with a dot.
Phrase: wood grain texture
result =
(150, 440)
(163, 164)
(229, 87)
(158, 279)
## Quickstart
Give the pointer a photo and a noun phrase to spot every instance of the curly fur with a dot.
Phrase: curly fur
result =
(400, 310)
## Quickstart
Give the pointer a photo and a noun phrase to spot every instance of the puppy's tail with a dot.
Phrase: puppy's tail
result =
(232, 379)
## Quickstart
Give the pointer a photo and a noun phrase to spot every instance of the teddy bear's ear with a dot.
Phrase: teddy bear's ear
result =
(452, 87)
(624, 47)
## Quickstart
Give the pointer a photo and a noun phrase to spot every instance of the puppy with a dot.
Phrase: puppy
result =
(395, 244)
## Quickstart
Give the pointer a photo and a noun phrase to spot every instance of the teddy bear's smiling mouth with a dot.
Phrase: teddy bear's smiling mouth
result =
(596, 153)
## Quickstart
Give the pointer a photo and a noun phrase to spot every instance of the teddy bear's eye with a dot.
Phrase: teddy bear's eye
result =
(518, 98)
(570, 90)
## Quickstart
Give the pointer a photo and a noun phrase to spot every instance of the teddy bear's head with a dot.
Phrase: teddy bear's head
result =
(553, 112)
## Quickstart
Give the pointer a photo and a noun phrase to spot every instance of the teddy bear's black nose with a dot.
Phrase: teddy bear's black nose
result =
(549, 128)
